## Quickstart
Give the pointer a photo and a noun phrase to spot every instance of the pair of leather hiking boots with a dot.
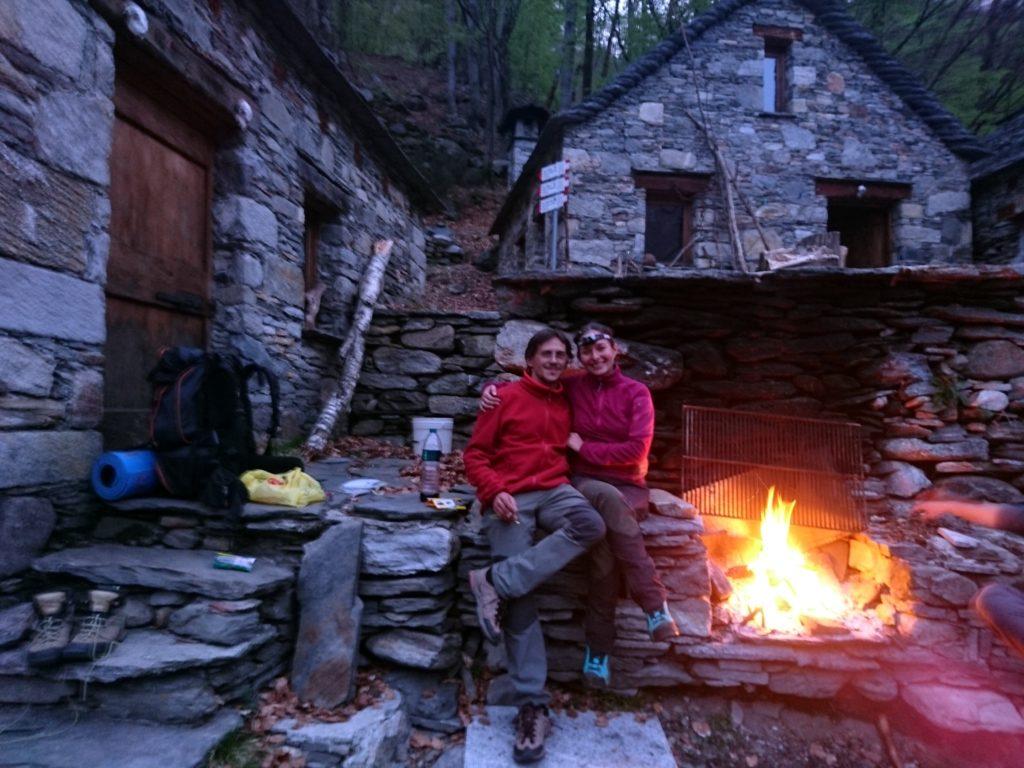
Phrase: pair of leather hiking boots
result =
(96, 633)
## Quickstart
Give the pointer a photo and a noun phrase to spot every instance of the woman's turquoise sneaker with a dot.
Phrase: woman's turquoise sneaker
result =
(596, 670)
(661, 625)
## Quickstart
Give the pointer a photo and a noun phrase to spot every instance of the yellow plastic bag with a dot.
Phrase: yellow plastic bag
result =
(292, 489)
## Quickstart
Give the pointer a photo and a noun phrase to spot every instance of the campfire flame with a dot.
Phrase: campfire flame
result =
(784, 590)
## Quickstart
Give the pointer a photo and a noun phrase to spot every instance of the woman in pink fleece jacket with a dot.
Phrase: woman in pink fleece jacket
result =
(612, 429)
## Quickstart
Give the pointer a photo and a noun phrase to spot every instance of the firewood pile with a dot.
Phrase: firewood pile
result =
(814, 251)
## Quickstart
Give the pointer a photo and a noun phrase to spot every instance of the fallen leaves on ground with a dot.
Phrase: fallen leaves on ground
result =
(367, 448)
(701, 728)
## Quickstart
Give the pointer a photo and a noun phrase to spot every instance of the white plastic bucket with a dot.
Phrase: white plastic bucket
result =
(421, 426)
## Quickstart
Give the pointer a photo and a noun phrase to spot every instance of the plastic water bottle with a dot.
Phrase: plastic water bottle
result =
(430, 475)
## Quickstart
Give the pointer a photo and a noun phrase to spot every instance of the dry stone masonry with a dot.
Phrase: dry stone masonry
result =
(308, 139)
(852, 114)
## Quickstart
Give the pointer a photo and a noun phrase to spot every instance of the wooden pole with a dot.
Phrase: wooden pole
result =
(350, 353)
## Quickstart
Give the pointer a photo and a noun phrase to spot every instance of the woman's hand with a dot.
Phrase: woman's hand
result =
(575, 442)
(505, 507)
(489, 398)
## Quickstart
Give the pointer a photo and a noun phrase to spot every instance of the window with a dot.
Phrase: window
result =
(775, 67)
(668, 216)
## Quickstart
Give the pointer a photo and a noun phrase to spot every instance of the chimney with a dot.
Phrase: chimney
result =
(524, 124)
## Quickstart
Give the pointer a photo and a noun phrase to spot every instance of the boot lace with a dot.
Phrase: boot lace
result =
(91, 627)
(528, 723)
(48, 629)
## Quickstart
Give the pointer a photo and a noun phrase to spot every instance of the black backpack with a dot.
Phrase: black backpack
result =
(201, 425)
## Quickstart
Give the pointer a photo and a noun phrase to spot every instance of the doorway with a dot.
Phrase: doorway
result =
(158, 272)
(866, 231)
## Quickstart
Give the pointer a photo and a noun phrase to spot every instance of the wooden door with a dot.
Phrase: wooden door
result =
(866, 232)
(159, 268)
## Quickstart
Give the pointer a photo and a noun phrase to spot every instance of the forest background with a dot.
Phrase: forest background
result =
(494, 54)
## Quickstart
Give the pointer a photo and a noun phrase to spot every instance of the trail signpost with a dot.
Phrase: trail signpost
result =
(552, 194)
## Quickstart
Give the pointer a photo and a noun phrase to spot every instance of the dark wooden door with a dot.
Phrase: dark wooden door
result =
(159, 268)
(865, 230)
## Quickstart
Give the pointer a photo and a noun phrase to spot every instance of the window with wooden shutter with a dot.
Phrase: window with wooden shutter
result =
(668, 215)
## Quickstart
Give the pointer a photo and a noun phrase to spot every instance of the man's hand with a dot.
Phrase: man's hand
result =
(932, 510)
(575, 442)
(505, 507)
(489, 398)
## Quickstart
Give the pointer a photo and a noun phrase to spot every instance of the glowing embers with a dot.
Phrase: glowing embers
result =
(781, 591)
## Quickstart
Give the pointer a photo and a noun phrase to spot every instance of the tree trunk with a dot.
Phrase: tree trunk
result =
(350, 354)
(588, 51)
(568, 55)
(449, 20)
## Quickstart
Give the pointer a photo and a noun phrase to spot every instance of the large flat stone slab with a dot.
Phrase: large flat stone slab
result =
(145, 652)
(174, 570)
(67, 739)
(373, 736)
(405, 549)
(573, 741)
(403, 506)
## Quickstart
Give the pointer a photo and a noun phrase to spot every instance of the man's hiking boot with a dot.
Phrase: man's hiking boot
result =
(52, 629)
(99, 631)
(661, 625)
(532, 728)
(487, 604)
(596, 669)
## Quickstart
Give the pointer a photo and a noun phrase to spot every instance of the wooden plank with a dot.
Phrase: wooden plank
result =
(683, 183)
(873, 190)
(778, 33)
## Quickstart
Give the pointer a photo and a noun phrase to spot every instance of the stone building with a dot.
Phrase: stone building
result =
(998, 196)
(176, 172)
(822, 129)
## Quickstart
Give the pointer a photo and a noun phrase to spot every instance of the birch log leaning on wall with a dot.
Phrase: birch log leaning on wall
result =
(350, 353)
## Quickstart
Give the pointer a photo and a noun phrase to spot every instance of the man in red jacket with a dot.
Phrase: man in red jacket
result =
(517, 461)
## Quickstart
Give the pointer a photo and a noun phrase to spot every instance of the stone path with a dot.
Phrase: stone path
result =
(66, 739)
(574, 741)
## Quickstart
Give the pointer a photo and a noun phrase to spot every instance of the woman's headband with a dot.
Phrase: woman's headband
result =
(585, 339)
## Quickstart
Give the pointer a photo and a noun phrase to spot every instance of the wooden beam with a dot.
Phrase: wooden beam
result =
(873, 191)
(682, 183)
(778, 33)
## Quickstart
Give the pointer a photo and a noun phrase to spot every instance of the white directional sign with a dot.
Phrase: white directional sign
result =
(552, 203)
(548, 172)
(554, 187)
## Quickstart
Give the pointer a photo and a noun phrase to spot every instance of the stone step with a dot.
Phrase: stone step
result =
(151, 652)
(64, 738)
(405, 506)
(173, 570)
(618, 739)
(156, 506)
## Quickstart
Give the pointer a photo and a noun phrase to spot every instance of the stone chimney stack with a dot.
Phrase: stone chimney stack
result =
(524, 125)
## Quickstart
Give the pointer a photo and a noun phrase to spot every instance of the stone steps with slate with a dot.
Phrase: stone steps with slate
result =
(407, 581)
(65, 738)
(174, 570)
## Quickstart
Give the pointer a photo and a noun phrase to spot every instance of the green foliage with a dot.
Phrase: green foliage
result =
(413, 30)
(239, 749)
(967, 51)
(535, 50)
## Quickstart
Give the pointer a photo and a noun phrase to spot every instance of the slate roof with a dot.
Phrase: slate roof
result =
(1006, 143)
(830, 14)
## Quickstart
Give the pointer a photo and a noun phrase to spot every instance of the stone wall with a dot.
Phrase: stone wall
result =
(57, 71)
(424, 363)
(998, 207)
(843, 123)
